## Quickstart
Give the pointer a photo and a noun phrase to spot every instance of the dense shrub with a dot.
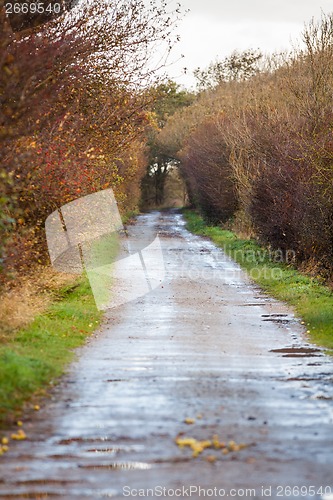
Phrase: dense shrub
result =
(264, 145)
(206, 168)
(75, 102)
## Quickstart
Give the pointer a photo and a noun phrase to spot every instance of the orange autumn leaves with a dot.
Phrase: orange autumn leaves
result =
(75, 110)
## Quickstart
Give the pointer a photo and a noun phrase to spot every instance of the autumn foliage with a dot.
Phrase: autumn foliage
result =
(75, 100)
(257, 150)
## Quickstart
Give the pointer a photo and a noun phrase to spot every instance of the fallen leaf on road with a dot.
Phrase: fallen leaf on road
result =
(189, 421)
(19, 436)
(198, 446)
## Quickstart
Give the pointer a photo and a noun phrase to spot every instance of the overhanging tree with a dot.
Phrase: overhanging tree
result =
(73, 103)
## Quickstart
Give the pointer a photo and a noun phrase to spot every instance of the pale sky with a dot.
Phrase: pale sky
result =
(214, 28)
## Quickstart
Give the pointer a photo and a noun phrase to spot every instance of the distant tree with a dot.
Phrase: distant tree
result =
(169, 98)
(236, 67)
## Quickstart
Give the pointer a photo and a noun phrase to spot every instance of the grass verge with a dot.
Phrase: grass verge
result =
(37, 354)
(311, 300)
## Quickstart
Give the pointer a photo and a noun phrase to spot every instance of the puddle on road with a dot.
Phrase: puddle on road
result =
(252, 305)
(322, 397)
(34, 496)
(299, 352)
(120, 380)
(83, 440)
(320, 378)
(49, 482)
(74, 493)
(118, 466)
(138, 369)
(280, 318)
(274, 315)
(106, 451)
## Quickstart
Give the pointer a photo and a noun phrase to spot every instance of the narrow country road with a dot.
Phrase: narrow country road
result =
(206, 345)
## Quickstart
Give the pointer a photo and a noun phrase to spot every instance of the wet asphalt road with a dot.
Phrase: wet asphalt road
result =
(205, 344)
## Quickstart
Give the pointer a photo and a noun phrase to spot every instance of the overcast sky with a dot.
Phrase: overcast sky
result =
(214, 28)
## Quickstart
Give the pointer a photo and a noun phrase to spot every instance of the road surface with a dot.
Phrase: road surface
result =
(206, 353)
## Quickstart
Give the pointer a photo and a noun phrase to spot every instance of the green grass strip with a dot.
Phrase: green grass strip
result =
(39, 353)
(311, 300)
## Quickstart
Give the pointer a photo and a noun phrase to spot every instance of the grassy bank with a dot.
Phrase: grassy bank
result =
(34, 356)
(311, 300)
